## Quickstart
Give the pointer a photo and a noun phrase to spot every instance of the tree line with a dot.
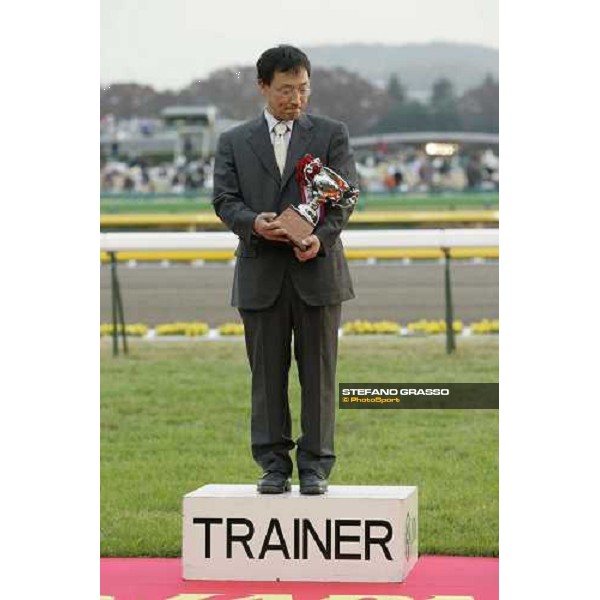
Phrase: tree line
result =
(338, 93)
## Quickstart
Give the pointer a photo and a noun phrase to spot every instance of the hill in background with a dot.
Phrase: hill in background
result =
(416, 65)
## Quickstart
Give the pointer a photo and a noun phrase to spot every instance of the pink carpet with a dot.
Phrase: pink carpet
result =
(443, 576)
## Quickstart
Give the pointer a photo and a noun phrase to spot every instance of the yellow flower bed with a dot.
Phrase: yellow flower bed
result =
(188, 329)
(433, 327)
(231, 329)
(368, 327)
(485, 326)
(423, 326)
(132, 329)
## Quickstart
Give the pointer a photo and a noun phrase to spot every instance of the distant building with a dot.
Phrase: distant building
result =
(190, 131)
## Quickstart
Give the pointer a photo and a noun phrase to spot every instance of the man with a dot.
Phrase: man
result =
(278, 288)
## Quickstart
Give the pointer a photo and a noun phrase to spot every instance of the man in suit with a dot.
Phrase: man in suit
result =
(278, 288)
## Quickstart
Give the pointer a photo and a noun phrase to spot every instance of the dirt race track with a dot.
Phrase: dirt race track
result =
(153, 294)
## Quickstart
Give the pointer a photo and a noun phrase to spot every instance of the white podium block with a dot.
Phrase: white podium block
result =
(351, 533)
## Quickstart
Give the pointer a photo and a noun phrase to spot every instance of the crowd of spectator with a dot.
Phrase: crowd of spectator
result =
(177, 177)
(401, 172)
(415, 171)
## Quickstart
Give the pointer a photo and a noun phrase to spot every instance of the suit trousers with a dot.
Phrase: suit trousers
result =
(268, 335)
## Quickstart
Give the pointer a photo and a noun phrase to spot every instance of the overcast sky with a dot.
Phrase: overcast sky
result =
(168, 43)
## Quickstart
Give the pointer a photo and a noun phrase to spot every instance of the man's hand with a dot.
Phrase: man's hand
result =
(266, 226)
(313, 244)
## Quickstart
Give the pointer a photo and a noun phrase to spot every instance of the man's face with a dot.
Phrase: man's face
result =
(287, 95)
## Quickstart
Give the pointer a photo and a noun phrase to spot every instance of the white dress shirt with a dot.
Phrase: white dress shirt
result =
(272, 121)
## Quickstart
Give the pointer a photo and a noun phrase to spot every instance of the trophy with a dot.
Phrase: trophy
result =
(319, 186)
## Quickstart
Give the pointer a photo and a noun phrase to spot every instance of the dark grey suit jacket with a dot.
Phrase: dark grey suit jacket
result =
(247, 182)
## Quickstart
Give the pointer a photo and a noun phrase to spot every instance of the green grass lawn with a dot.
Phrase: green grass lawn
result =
(175, 416)
(177, 204)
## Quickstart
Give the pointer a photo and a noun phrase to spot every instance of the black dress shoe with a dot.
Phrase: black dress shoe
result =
(274, 482)
(312, 483)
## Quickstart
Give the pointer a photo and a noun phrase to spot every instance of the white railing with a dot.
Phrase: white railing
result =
(352, 239)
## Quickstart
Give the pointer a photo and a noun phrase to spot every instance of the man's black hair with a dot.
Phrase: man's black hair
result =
(282, 58)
